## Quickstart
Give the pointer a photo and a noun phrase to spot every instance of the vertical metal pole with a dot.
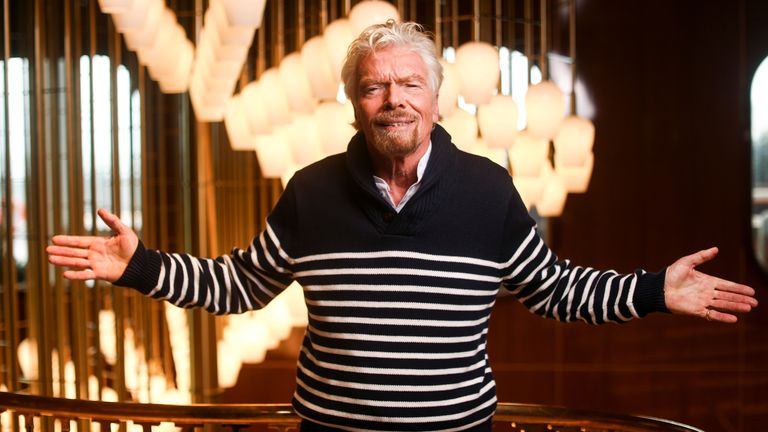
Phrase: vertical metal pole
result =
(10, 290)
(476, 20)
(544, 29)
(572, 50)
(528, 34)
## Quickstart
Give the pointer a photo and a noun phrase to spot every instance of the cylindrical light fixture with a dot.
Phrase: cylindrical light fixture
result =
(370, 12)
(545, 109)
(243, 12)
(334, 127)
(462, 126)
(237, 126)
(574, 140)
(478, 71)
(338, 36)
(295, 83)
(254, 107)
(314, 59)
(497, 121)
(449, 90)
(279, 109)
(527, 155)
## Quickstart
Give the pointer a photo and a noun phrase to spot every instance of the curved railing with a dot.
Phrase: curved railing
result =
(281, 417)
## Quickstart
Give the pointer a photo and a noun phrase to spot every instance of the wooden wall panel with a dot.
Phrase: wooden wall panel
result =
(669, 81)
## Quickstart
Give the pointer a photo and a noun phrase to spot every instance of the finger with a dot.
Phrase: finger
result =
(113, 222)
(699, 257)
(728, 286)
(74, 241)
(731, 306)
(717, 316)
(735, 298)
(80, 274)
(67, 251)
(78, 263)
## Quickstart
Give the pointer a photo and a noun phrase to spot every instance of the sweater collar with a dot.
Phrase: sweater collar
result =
(360, 165)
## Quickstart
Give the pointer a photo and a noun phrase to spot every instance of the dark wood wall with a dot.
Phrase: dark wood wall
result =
(670, 83)
(669, 80)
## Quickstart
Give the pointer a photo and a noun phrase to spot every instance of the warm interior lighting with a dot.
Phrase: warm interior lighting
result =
(462, 126)
(243, 12)
(370, 12)
(497, 121)
(574, 140)
(295, 83)
(545, 109)
(317, 67)
(477, 70)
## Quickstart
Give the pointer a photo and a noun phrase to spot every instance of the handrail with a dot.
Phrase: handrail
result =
(519, 416)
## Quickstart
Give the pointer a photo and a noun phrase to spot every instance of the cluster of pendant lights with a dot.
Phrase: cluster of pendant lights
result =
(291, 116)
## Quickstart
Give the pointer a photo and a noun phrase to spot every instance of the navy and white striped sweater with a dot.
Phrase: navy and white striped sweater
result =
(398, 302)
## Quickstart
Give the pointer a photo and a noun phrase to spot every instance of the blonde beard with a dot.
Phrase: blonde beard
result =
(396, 144)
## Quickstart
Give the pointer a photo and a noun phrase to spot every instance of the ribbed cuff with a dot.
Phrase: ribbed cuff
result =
(143, 270)
(649, 293)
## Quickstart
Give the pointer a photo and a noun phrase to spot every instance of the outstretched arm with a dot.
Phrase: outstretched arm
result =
(91, 257)
(690, 292)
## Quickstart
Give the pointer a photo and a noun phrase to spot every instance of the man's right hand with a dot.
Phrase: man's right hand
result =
(104, 258)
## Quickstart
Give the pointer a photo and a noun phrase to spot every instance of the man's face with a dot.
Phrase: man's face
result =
(394, 106)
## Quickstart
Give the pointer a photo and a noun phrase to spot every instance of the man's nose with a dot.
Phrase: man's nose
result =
(395, 96)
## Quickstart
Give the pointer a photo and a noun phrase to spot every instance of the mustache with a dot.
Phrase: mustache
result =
(391, 116)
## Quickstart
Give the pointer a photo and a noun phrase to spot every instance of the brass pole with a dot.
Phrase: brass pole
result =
(544, 29)
(10, 291)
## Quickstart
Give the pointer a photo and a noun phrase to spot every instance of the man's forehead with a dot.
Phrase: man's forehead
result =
(393, 62)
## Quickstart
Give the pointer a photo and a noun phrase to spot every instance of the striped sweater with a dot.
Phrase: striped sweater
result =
(398, 303)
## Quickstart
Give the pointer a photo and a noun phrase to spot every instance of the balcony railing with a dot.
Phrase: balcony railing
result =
(280, 417)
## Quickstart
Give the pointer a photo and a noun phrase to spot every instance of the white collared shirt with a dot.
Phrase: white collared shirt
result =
(385, 192)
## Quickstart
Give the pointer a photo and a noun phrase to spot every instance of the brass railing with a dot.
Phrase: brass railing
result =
(280, 417)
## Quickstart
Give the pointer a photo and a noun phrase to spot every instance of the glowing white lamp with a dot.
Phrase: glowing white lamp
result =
(132, 18)
(274, 153)
(294, 298)
(545, 109)
(317, 67)
(136, 38)
(277, 317)
(161, 44)
(244, 12)
(237, 126)
(496, 155)
(221, 49)
(279, 110)
(27, 355)
(478, 71)
(528, 155)
(250, 336)
(107, 337)
(115, 6)
(575, 178)
(334, 127)
(254, 106)
(553, 199)
(338, 35)
(229, 33)
(530, 189)
(207, 108)
(304, 140)
(228, 362)
(370, 12)
(293, 78)
(497, 121)
(574, 140)
(178, 80)
(449, 90)
(462, 126)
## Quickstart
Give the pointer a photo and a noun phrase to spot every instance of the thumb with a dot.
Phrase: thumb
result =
(699, 257)
(113, 222)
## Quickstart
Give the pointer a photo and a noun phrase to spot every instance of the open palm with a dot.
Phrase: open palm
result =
(91, 257)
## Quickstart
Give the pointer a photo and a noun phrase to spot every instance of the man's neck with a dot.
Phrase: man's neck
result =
(398, 172)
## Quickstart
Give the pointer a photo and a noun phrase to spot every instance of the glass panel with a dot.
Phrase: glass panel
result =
(759, 132)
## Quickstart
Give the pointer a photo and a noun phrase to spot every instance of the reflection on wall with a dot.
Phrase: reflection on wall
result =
(759, 132)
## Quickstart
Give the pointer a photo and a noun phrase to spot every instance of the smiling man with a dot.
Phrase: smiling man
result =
(401, 244)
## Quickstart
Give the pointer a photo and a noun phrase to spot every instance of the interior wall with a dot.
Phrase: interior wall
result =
(670, 86)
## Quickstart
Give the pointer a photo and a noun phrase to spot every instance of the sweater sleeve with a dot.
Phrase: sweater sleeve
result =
(558, 289)
(246, 279)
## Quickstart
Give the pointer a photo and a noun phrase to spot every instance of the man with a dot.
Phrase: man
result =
(401, 244)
